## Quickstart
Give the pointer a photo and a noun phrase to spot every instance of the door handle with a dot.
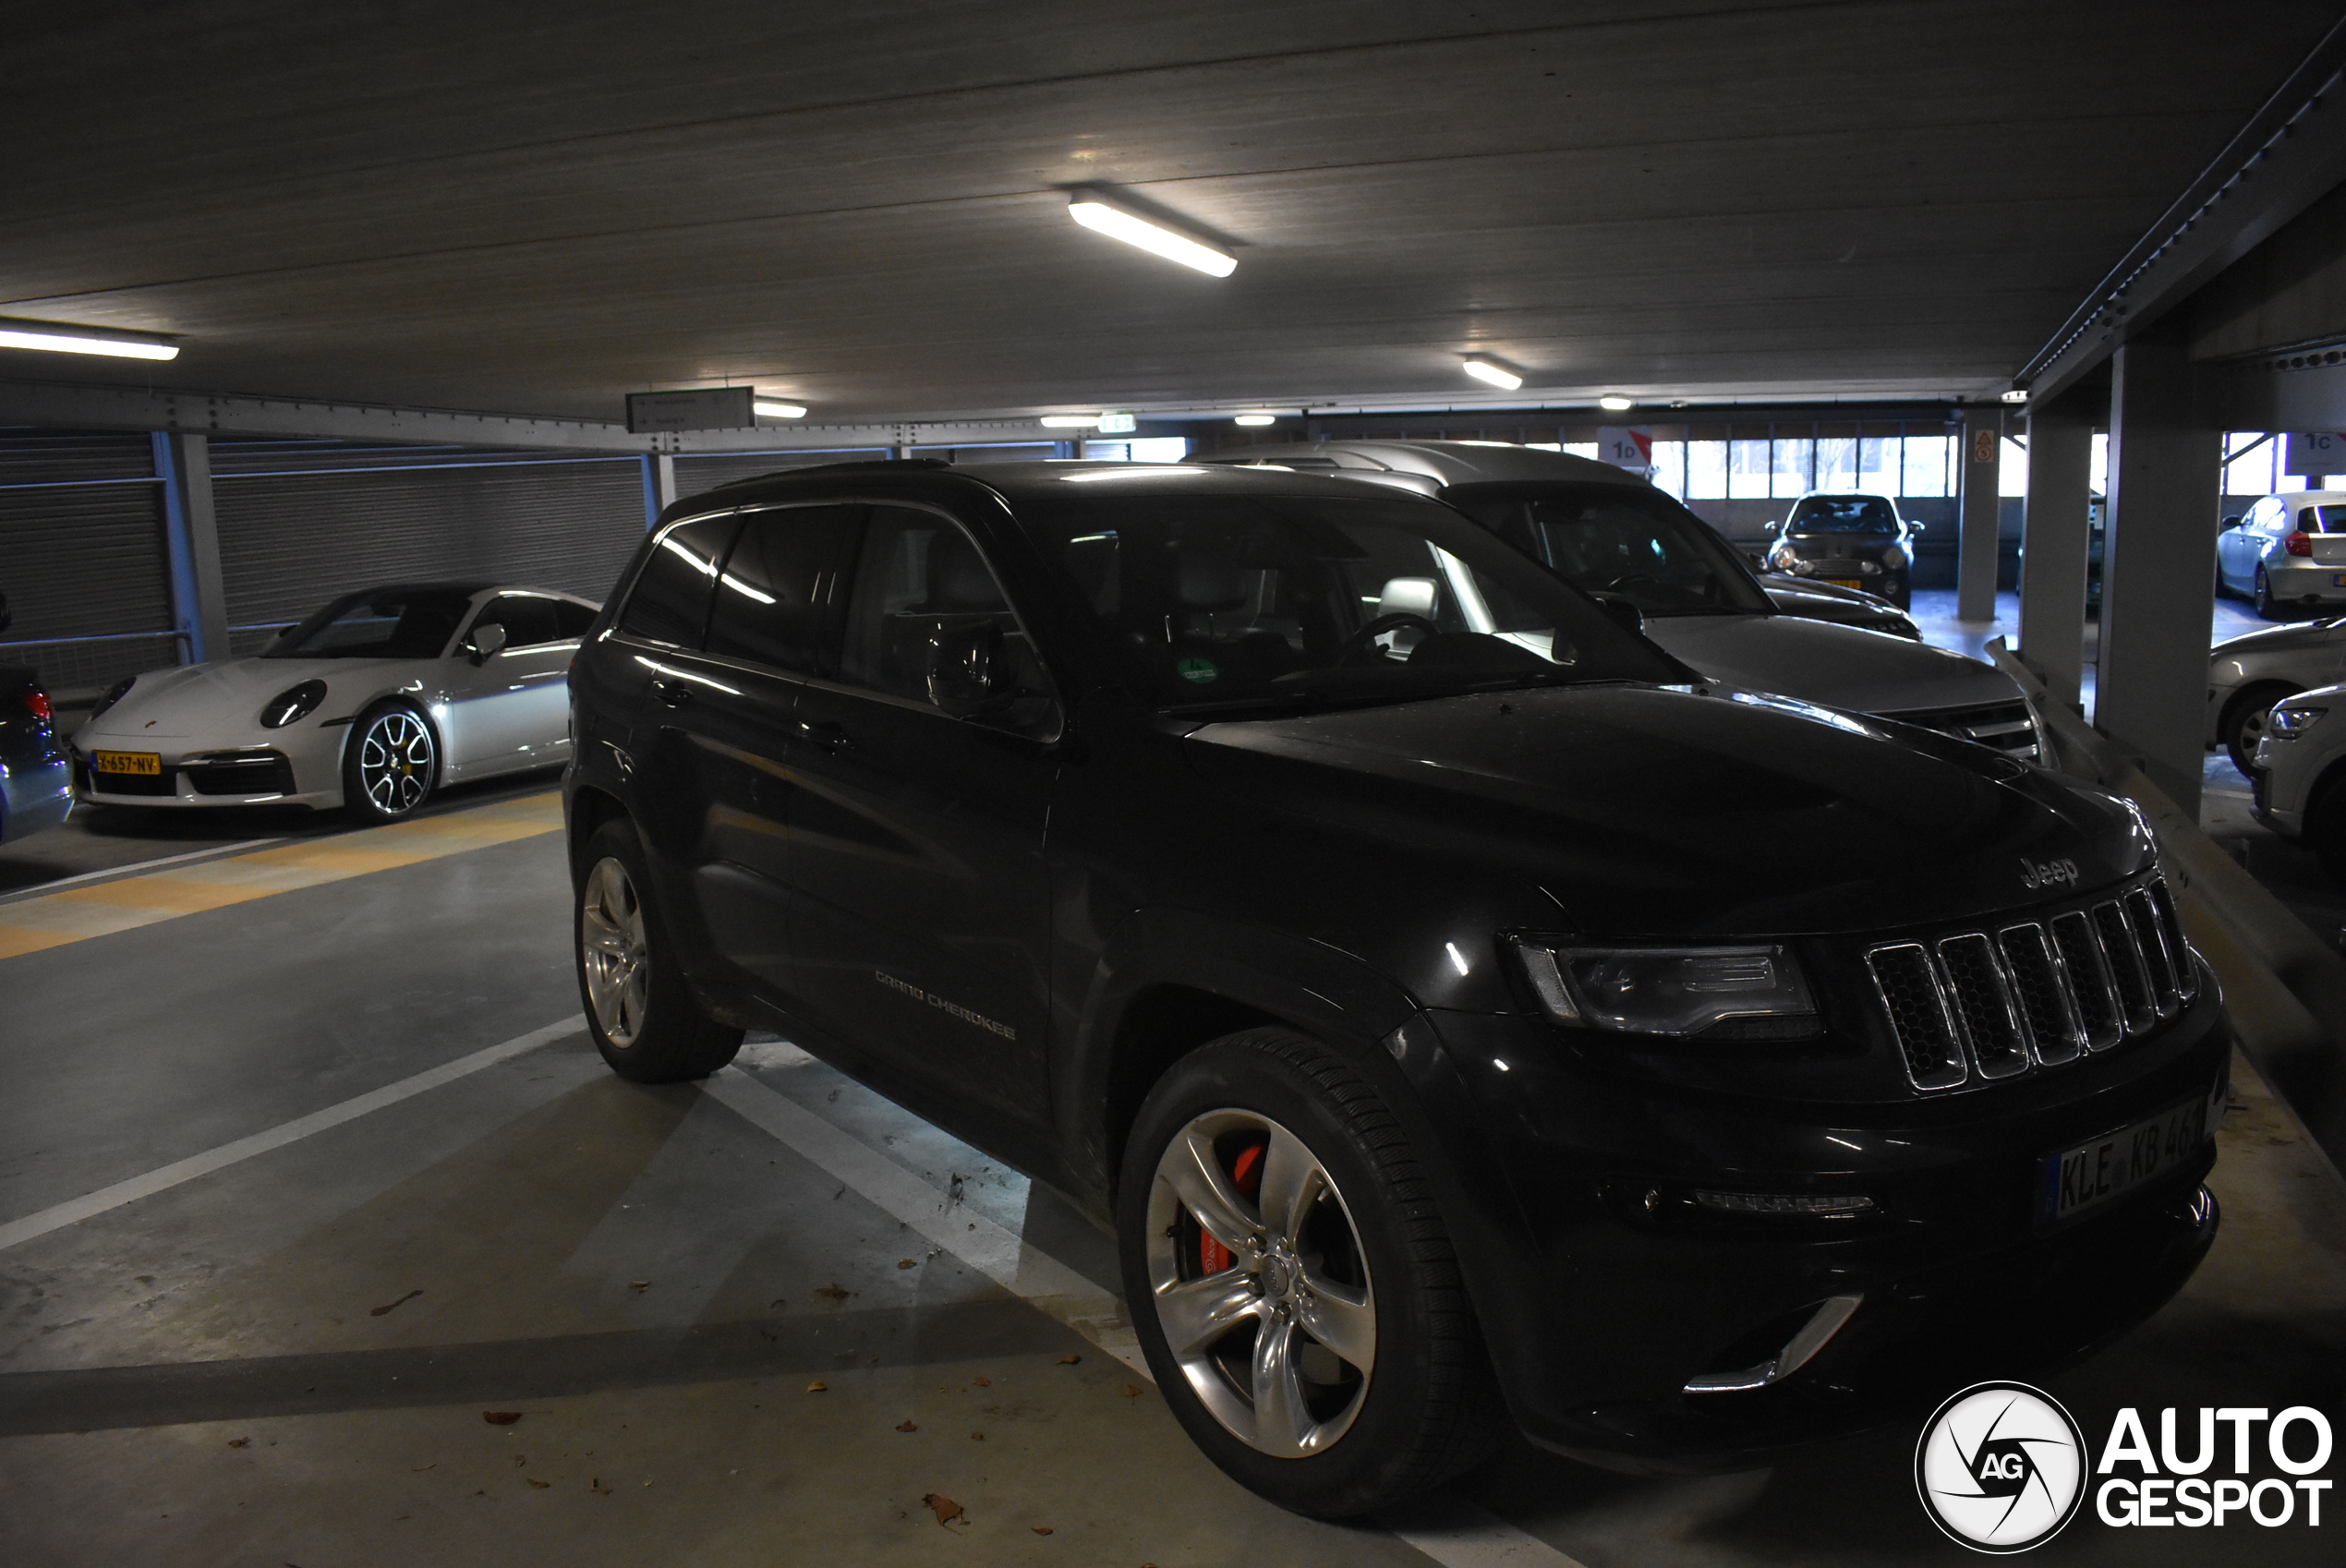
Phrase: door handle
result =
(675, 694)
(826, 737)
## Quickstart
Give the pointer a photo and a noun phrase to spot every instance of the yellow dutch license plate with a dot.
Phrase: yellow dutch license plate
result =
(1844, 581)
(149, 763)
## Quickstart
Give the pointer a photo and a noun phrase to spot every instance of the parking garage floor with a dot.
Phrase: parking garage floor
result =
(326, 1240)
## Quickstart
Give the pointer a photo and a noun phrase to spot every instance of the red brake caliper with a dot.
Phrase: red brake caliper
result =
(1246, 1175)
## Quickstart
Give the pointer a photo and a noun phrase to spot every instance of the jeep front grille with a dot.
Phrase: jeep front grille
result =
(1994, 1002)
(2008, 728)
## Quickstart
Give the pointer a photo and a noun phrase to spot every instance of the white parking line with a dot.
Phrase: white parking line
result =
(1452, 1530)
(162, 1179)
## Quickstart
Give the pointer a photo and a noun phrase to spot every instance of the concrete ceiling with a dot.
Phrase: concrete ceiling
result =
(537, 209)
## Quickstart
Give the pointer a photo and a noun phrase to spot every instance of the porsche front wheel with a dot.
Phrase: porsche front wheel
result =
(390, 765)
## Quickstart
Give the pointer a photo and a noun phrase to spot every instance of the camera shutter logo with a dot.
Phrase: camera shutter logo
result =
(2001, 1467)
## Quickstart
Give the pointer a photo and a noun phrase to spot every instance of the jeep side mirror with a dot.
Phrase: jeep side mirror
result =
(1917, 527)
(1621, 612)
(966, 676)
(486, 641)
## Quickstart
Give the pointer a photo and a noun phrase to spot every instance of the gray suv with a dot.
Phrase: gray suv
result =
(1615, 536)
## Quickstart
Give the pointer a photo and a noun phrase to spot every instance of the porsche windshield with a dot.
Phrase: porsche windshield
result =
(379, 623)
(1263, 602)
(1630, 541)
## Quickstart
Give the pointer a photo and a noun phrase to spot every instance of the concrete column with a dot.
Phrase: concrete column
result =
(2158, 566)
(1981, 462)
(2054, 535)
(198, 601)
(660, 486)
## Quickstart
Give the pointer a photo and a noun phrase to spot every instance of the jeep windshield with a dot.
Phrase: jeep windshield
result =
(1630, 541)
(1271, 602)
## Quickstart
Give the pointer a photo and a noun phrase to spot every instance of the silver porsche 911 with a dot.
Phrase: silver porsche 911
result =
(371, 703)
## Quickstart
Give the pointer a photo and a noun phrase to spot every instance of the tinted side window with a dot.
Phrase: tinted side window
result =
(775, 584)
(571, 621)
(528, 620)
(918, 574)
(670, 603)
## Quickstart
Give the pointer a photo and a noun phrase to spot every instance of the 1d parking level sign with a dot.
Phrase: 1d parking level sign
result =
(702, 408)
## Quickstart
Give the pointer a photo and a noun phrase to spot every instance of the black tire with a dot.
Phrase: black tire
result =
(641, 1014)
(390, 763)
(2243, 724)
(1428, 1405)
(2267, 608)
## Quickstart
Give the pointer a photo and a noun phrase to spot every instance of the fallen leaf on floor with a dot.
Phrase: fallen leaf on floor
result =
(771, 1337)
(421, 1468)
(500, 1417)
(906, 1263)
(944, 1507)
(983, 1382)
(1131, 1391)
(379, 1311)
(238, 1442)
(1040, 1529)
(1069, 1360)
(977, 1437)
(835, 1290)
(906, 1426)
(533, 1481)
(817, 1386)
(595, 1484)
(639, 1285)
(520, 1460)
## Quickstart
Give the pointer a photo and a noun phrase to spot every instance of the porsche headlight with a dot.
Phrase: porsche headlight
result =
(120, 689)
(1739, 993)
(295, 702)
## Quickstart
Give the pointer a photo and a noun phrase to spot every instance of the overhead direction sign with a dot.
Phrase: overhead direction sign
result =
(702, 408)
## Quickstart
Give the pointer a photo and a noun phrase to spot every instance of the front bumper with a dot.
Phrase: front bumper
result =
(205, 779)
(1602, 1298)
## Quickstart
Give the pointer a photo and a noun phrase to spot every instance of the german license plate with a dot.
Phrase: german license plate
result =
(1844, 581)
(148, 763)
(2075, 1180)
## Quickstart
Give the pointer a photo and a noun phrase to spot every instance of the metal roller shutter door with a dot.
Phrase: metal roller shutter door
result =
(696, 474)
(289, 542)
(82, 554)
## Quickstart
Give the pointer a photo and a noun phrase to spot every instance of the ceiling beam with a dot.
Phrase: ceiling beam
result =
(76, 406)
(2289, 155)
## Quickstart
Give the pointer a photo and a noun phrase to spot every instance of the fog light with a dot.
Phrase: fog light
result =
(1784, 1202)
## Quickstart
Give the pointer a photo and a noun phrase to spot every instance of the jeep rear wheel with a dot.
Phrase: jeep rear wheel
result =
(1292, 1285)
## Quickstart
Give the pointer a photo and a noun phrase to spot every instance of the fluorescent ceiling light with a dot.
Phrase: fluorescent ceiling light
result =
(1255, 419)
(1072, 421)
(1615, 402)
(1095, 212)
(1491, 371)
(59, 338)
(779, 410)
(2017, 395)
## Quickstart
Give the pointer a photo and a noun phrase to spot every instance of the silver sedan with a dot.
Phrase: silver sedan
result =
(370, 705)
(2247, 675)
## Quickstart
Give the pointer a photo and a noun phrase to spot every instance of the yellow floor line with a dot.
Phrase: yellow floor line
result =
(79, 913)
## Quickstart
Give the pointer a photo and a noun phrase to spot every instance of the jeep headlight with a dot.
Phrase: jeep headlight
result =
(2291, 722)
(1739, 993)
(1892, 559)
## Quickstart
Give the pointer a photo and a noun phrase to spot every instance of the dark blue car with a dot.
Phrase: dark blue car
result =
(36, 785)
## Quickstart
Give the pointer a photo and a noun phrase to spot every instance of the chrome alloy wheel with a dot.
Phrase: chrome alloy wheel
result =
(1260, 1284)
(396, 761)
(611, 951)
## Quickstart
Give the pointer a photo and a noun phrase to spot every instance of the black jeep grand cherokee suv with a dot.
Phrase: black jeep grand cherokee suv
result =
(1452, 1007)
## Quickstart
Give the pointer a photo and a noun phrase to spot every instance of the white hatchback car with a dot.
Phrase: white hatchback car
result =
(371, 705)
(2286, 553)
